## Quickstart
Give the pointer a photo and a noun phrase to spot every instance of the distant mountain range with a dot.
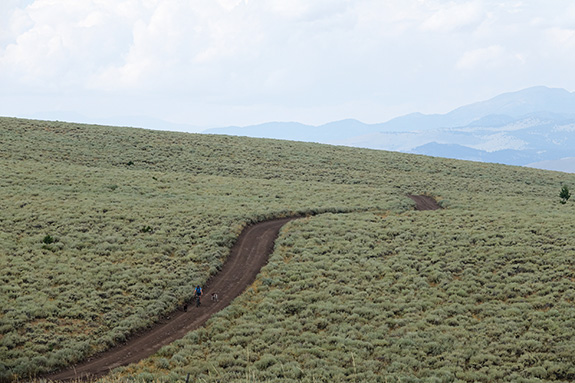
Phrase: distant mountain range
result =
(532, 127)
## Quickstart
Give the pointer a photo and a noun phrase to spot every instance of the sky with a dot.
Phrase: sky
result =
(212, 63)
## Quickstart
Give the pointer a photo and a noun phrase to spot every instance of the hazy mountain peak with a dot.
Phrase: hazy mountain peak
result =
(487, 131)
(517, 104)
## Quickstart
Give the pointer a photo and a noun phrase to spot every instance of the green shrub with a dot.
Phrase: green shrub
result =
(564, 194)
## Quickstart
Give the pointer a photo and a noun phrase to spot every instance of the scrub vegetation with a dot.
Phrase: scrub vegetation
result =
(105, 229)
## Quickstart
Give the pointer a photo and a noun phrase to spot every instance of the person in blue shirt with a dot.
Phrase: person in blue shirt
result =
(198, 294)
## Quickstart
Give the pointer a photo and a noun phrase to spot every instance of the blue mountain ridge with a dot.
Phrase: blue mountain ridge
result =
(517, 128)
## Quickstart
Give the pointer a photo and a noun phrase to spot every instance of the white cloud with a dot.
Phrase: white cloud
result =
(63, 42)
(13, 21)
(182, 45)
(450, 17)
(562, 39)
(377, 58)
(487, 58)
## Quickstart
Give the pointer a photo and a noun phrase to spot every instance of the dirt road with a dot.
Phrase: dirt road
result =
(247, 257)
(424, 202)
(249, 254)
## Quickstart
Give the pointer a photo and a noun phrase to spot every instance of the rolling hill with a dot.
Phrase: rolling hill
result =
(105, 230)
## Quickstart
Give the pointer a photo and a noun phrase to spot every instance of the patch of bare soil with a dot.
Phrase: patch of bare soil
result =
(424, 202)
(247, 257)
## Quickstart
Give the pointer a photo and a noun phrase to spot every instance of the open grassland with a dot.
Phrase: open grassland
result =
(435, 296)
(105, 229)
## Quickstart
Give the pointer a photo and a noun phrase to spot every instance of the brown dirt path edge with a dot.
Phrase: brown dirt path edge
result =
(424, 202)
(248, 255)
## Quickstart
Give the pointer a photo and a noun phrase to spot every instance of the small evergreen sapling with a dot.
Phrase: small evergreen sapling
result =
(564, 194)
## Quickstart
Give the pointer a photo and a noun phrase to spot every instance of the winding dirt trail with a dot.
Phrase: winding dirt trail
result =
(247, 257)
(424, 202)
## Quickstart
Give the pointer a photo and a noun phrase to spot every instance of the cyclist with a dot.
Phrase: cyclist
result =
(198, 293)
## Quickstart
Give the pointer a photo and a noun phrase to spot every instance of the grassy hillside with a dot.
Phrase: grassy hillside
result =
(104, 229)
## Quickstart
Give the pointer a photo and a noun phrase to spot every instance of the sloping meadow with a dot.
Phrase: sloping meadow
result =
(105, 229)
(417, 297)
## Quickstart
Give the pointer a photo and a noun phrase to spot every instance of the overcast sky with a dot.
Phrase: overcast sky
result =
(238, 62)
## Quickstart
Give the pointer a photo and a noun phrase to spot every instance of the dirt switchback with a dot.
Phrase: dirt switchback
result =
(424, 202)
(247, 257)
